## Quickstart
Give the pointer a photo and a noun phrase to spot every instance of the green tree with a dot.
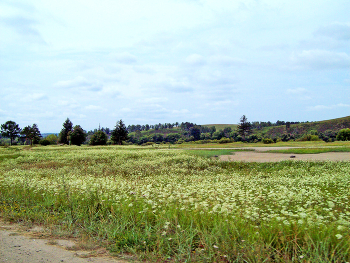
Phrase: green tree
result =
(99, 138)
(120, 133)
(343, 135)
(52, 138)
(64, 134)
(195, 131)
(244, 127)
(32, 133)
(77, 136)
(10, 129)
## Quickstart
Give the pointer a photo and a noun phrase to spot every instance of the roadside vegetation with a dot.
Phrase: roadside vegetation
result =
(166, 205)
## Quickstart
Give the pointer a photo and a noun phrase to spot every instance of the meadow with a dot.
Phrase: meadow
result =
(170, 205)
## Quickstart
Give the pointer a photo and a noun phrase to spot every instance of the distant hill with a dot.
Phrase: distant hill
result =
(325, 126)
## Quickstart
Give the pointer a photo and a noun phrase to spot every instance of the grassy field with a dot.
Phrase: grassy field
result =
(175, 206)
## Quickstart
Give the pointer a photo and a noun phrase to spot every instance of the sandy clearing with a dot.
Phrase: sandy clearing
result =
(261, 148)
(18, 245)
(276, 157)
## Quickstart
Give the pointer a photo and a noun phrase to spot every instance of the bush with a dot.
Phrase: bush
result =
(267, 141)
(309, 137)
(45, 142)
(52, 138)
(224, 140)
(313, 132)
(344, 135)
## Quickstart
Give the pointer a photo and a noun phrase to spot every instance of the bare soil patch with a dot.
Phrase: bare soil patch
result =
(19, 244)
(258, 156)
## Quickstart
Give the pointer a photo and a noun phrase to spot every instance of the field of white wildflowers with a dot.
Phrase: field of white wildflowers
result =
(172, 205)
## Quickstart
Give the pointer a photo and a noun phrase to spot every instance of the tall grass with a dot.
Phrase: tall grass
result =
(171, 206)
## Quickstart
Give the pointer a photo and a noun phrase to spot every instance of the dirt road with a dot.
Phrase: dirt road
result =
(18, 245)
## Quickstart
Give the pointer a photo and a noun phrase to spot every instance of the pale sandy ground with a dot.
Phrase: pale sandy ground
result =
(21, 246)
(276, 157)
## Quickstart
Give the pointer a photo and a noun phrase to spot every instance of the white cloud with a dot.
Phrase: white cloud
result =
(321, 59)
(126, 110)
(33, 97)
(123, 58)
(336, 30)
(228, 61)
(195, 60)
(95, 108)
(182, 111)
(299, 93)
(80, 83)
(296, 91)
(328, 107)
(153, 100)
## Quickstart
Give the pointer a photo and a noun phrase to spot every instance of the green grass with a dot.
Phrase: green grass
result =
(8, 156)
(214, 152)
(312, 150)
(164, 205)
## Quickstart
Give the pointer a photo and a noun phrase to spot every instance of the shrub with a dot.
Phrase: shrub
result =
(313, 132)
(52, 138)
(344, 135)
(44, 142)
(267, 141)
(309, 137)
(224, 140)
(180, 141)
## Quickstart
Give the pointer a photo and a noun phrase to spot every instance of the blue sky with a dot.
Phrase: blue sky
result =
(202, 61)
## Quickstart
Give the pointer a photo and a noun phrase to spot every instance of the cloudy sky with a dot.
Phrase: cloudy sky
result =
(203, 61)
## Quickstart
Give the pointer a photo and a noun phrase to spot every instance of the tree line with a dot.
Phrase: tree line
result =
(159, 133)
(72, 135)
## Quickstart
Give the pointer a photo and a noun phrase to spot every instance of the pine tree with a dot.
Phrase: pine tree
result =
(120, 133)
(244, 127)
(64, 134)
(11, 130)
(32, 133)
